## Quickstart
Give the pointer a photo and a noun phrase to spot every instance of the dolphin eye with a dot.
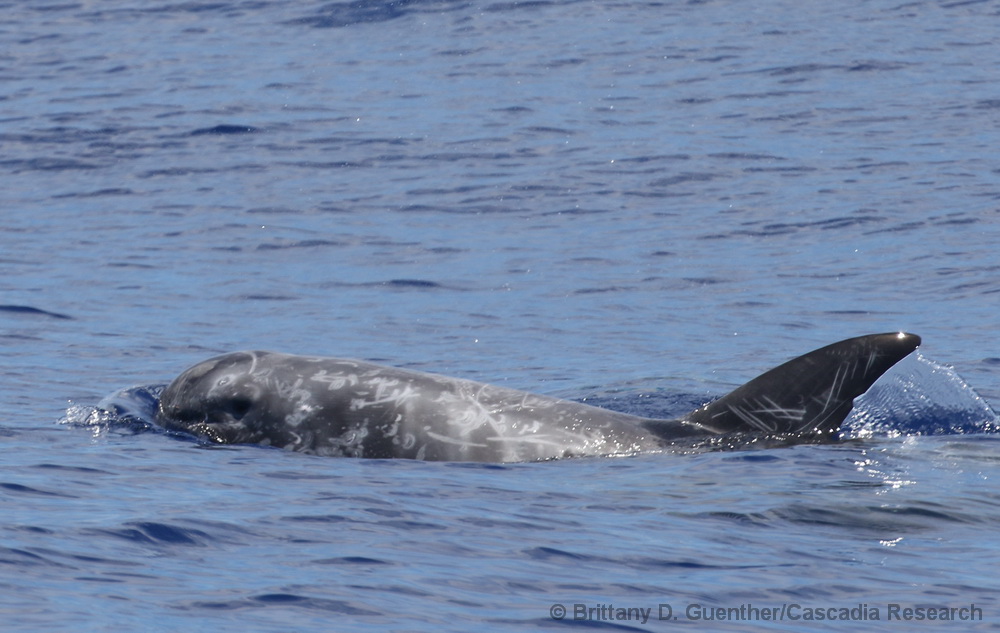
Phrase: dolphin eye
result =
(238, 407)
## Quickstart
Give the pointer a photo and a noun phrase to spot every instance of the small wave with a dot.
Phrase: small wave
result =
(47, 164)
(411, 283)
(341, 14)
(352, 560)
(32, 311)
(224, 130)
(285, 600)
(914, 517)
(149, 532)
(28, 490)
(19, 558)
(281, 245)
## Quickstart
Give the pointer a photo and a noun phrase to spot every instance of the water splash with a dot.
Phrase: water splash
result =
(919, 397)
(128, 411)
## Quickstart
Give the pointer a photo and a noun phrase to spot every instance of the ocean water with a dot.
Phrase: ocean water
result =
(637, 204)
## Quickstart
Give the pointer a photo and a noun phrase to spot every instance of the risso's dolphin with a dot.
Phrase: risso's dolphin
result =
(337, 407)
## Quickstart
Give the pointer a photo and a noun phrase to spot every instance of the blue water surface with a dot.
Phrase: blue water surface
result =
(639, 204)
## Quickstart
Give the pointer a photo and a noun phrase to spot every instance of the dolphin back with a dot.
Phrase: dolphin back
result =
(808, 395)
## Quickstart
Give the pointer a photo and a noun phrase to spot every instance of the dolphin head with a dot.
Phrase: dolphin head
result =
(219, 399)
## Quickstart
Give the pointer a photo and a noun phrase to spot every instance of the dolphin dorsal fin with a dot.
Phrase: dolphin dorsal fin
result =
(808, 395)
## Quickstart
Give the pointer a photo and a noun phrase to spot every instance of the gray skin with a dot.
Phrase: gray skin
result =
(338, 407)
